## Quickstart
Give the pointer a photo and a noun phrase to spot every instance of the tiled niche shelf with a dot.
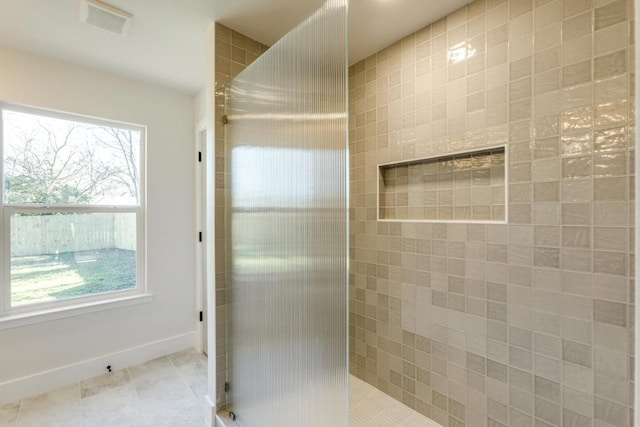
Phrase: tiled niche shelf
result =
(464, 187)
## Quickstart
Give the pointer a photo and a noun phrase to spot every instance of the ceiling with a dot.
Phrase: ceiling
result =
(166, 44)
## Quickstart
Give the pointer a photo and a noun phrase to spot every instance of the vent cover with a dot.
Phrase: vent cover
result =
(105, 16)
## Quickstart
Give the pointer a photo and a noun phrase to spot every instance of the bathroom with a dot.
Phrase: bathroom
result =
(491, 212)
(438, 231)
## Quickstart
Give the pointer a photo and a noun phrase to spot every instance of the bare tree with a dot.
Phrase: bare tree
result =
(62, 162)
(123, 146)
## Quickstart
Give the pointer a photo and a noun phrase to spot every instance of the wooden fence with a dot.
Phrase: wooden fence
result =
(51, 234)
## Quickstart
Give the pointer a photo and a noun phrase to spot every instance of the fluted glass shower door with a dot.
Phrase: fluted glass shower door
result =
(286, 147)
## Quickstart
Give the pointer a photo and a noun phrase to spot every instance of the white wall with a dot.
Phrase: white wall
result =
(170, 317)
(200, 107)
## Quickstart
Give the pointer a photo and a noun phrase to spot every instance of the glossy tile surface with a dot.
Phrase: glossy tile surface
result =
(163, 392)
(528, 323)
(469, 186)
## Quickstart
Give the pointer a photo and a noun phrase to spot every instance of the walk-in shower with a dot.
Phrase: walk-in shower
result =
(490, 228)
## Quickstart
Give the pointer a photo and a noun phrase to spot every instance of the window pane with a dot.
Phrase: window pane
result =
(61, 255)
(56, 161)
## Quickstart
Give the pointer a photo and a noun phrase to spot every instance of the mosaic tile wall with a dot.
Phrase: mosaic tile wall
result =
(528, 323)
(234, 52)
(461, 187)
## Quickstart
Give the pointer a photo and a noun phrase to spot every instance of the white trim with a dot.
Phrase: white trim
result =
(209, 411)
(20, 388)
(474, 150)
(33, 317)
(81, 304)
(507, 183)
(201, 126)
(73, 208)
(377, 187)
(209, 236)
(5, 288)
(64, 115)
(446, 221)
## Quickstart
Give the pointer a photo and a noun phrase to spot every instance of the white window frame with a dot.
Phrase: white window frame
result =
(44, 311)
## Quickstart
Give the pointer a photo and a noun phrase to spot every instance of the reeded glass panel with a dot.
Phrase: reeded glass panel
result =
(287, 148)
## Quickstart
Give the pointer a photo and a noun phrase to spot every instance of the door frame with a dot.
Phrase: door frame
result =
(201, 150)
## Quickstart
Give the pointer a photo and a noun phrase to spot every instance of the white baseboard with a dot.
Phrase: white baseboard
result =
(42, 382)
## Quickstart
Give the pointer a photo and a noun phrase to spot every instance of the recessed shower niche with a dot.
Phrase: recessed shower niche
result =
(467, 186)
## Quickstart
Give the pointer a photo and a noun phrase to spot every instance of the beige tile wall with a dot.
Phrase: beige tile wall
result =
(469, 186)
(524, 324)
(234, 52)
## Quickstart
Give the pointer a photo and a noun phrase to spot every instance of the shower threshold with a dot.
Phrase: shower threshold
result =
(369, 407)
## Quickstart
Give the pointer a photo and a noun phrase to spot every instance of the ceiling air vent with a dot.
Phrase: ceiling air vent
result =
(105, 16)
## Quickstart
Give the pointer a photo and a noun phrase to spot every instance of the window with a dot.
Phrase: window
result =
(72, 210)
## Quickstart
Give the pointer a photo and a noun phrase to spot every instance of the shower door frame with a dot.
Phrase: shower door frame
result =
(636, 353)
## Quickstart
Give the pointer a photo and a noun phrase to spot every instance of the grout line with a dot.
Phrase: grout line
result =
(182, 379)
(79, 384)
(19, 413)
(135, 391)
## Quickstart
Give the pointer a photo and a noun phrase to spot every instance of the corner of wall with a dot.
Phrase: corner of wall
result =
(31, 385)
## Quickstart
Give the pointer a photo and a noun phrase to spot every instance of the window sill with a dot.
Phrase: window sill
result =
(25, 319)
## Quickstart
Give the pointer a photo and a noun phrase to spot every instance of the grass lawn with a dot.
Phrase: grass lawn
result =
(45, 278)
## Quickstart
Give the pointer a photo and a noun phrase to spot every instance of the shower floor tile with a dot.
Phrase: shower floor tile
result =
(369, 407)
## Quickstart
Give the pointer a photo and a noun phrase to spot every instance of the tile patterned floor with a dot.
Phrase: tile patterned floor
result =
(168, 392)
(163, 392)
(369, 407)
